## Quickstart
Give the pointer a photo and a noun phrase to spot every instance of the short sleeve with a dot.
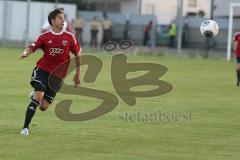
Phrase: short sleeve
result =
(75, 48)
(236, 37)
(37, 44)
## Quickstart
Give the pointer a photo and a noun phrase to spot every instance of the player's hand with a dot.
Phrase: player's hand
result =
(76, 80)
(25, 53)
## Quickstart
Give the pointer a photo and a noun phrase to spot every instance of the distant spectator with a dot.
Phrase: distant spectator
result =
(126, 30)
(78, 25)
(236, 40)
(185, 33)
(201, 13)
(172, 33)
(45, 27)
(69, 24)
(147, 33)
(94, 32)
(107, 30)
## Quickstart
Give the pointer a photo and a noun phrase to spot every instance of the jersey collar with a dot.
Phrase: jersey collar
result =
(56, 33)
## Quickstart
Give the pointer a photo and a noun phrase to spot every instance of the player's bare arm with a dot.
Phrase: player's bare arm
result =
(76, 77)
(26, 53)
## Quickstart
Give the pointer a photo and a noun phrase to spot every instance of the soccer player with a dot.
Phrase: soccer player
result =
(237, 54)
(56, 45)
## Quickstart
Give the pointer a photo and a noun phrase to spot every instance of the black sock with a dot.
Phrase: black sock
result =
(30, 112)
(238, 77)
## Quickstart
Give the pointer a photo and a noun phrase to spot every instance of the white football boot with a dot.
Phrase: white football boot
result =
(25, 132)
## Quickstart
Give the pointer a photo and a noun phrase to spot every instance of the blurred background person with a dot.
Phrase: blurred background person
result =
(78, 25)
(126, 30)
(172, 33)
(94, 32)
(147, 33)
(107, 30)
(69, 24)
(236, 40)
(185, 33)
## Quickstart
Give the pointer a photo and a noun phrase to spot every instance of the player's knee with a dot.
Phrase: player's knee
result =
(44, 105)
(38, 96)
(42, 108)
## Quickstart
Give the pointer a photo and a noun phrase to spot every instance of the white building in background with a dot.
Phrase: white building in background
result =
(13, 18)
(222, 8)
(167, 10)
(164, 10)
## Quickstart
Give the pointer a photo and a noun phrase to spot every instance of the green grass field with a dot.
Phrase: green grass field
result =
(206, 87)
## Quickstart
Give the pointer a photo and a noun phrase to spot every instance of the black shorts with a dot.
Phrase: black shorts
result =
(43, 81)
(238, 60)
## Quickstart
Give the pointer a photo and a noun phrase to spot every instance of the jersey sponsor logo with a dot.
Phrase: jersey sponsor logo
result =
(54, 51)
(50, 41)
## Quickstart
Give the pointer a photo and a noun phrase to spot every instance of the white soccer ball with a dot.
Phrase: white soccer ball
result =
(209, 28)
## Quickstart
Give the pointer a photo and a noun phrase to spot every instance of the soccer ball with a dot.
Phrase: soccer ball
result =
(209, 28)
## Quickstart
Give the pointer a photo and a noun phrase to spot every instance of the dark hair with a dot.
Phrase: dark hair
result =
(53, 15)
(61, 9)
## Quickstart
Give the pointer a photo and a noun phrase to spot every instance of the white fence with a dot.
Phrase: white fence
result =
(13, 18)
